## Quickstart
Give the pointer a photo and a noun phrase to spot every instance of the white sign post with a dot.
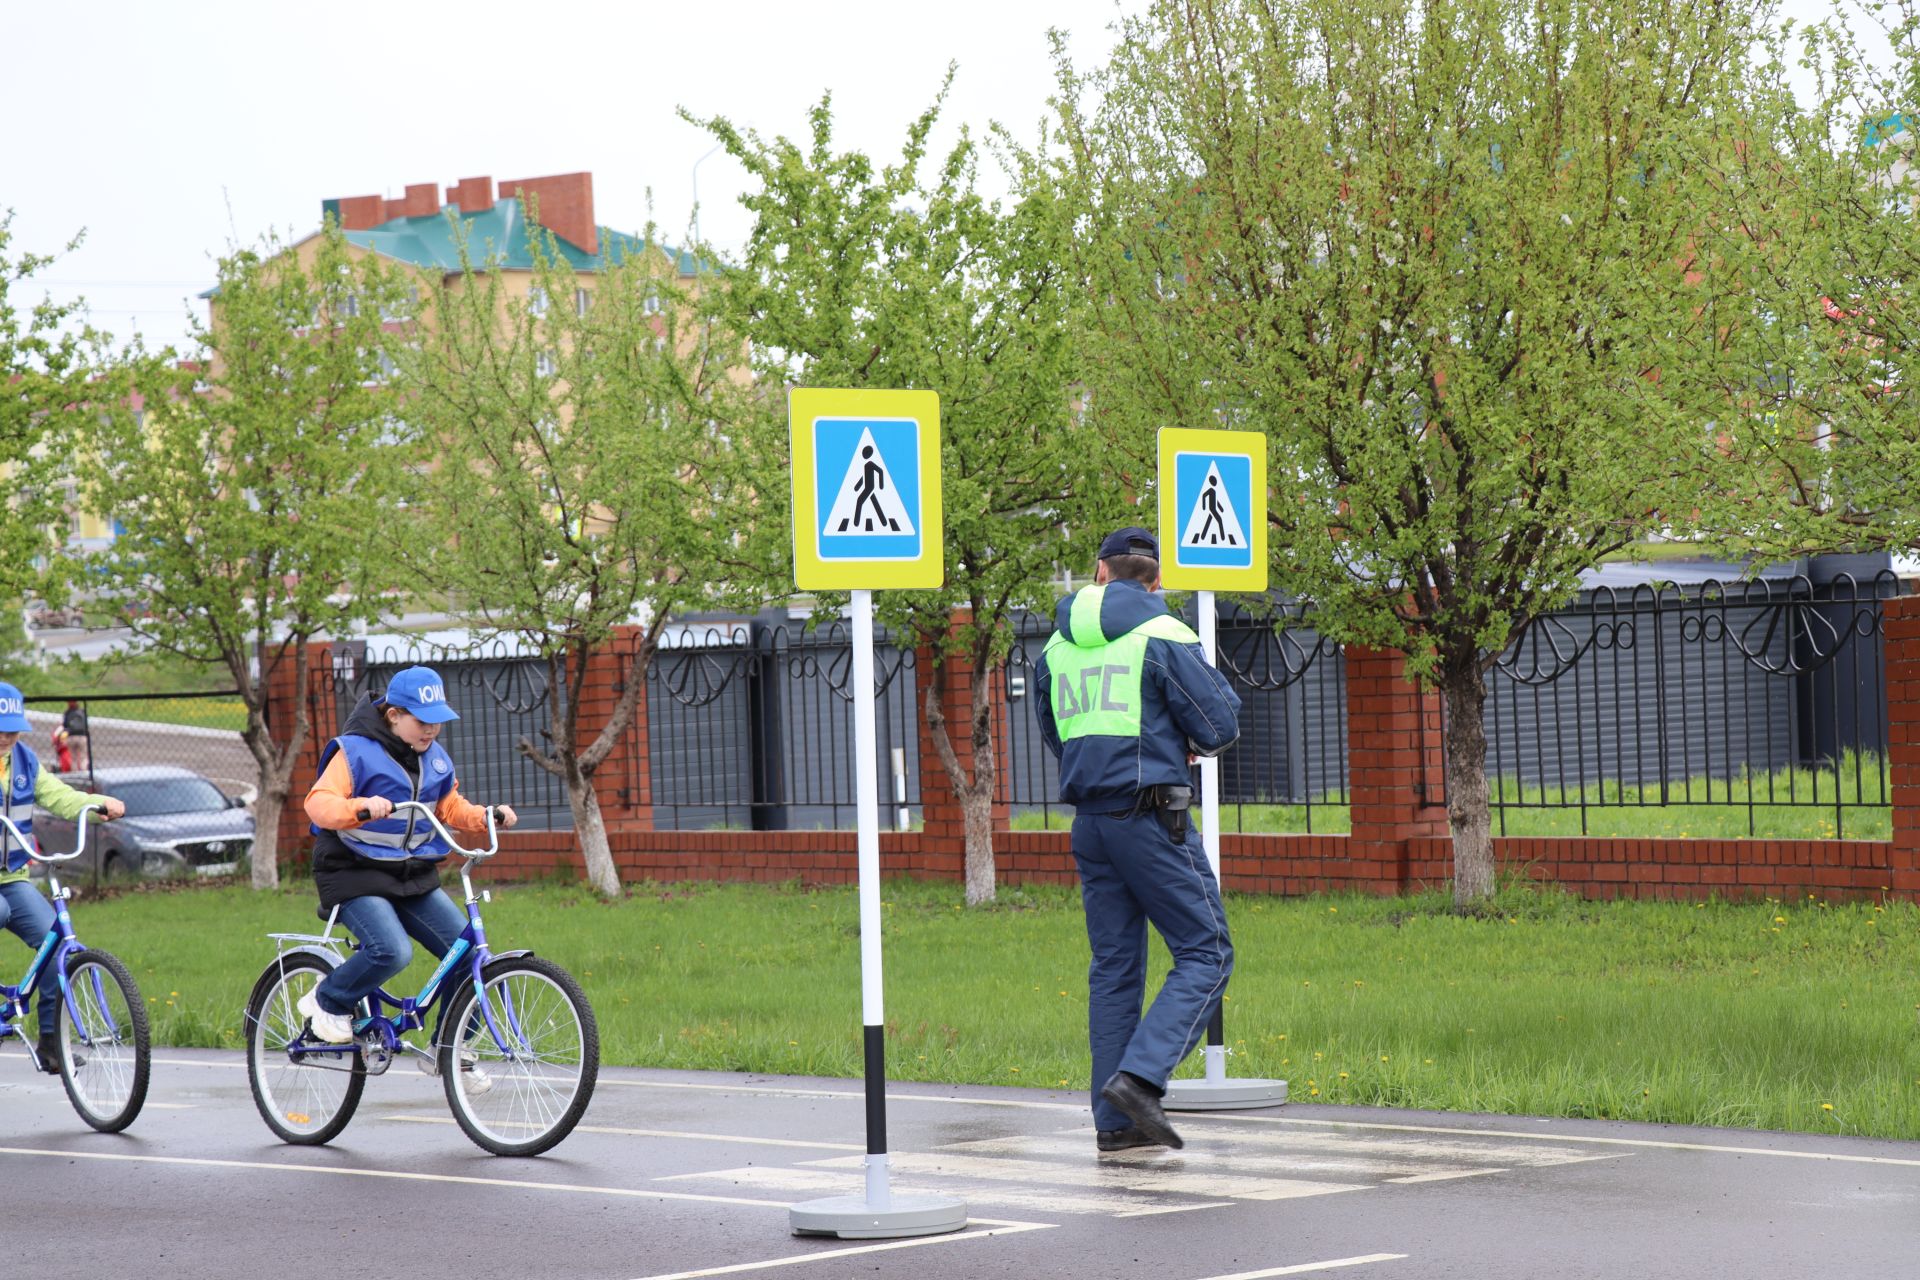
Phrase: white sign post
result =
(1213, 536)
(866, 514)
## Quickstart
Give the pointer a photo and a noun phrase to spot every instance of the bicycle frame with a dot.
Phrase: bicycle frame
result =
(60, 943)
(470, 946)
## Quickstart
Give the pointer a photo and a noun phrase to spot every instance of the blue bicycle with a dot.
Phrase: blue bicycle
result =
(105, 1054)
(516, 1044)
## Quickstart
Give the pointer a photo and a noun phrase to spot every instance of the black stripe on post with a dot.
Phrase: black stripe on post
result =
(876, 1046)
(1217, 1027)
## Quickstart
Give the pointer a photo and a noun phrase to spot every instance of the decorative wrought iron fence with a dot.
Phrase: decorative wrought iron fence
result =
(1749, 694)
(751, 725)
(1291, 760)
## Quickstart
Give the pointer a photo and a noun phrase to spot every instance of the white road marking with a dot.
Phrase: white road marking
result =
(1779, 1152)
(801, 1181)
(1300, 1269)
(1204, 1118)
(1301, 1162)
(637, 1193)
(1345, 1144)
(620, 1131)
(1110, 1176)
(1005, 1229)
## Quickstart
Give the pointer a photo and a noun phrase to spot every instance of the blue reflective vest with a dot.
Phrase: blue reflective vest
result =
(19, 803)
(375, 773)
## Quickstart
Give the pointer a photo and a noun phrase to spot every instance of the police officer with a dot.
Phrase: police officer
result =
(1129, 702)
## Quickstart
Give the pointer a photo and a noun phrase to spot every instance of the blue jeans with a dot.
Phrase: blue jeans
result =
(382, 925)
(26, 911)
(1132, 873)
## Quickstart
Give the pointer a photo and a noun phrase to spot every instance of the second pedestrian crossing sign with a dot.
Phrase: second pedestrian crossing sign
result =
(1213, 510)
(866, 489)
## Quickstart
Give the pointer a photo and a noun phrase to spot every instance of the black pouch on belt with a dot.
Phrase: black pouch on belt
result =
(1172, 803)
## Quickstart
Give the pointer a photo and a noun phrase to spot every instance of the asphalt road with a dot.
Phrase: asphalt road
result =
(678, 1174)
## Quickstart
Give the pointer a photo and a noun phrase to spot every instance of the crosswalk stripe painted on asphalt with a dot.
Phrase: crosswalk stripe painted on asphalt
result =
(1411, 1147)
(1304, 1164)
(788, 1178)
(1107, 1176)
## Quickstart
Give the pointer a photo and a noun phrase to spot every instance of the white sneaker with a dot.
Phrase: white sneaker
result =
(334, 1028)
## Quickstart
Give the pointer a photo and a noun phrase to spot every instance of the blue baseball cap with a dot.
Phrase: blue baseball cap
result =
(1131, 541)
(421, 693)
(13, 710)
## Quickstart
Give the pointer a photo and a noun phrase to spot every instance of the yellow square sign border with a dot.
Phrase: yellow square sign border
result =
(805, 407)
(1251, 445)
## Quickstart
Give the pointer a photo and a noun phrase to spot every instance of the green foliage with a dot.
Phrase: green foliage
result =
(1819, 224)
(578, 470)
(48, 363)
(865, 275)
(1434, 251)
(254, 491)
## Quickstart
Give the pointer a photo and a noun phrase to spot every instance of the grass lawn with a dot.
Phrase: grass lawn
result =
(1794, 1015)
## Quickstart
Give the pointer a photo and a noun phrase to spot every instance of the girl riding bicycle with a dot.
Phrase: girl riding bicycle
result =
(380, 870)
(23, 908)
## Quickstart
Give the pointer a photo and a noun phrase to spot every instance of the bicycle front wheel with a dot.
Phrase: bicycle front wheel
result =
(306, 1100)
(519, 1069)
(105, 1052)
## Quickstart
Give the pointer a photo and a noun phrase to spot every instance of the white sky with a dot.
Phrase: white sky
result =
(169, 131)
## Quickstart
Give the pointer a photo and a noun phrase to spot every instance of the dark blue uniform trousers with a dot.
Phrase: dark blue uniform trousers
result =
(1132, 872)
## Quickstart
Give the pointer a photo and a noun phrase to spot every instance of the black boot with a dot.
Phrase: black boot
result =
(50, 1056)
(1142, 1105)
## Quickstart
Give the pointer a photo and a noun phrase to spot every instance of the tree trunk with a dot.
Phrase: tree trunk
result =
(267, 809)
(1464, 688)
(591, 831)
(976, 796)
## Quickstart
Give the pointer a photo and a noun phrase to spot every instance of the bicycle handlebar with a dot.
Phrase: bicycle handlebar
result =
(33, 851)
(493, 835)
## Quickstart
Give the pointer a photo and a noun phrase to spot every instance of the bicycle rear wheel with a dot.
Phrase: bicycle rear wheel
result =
(105, 1052)
(519, 1086)
(306, 1100)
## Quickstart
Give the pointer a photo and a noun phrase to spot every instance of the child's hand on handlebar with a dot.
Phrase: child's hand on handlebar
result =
(112, 808)
(374, 808)
(504, 816)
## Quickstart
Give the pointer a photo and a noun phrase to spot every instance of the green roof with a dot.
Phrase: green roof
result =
(498, 239)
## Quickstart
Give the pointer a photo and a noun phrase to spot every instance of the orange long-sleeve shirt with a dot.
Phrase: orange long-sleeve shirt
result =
(332, 806)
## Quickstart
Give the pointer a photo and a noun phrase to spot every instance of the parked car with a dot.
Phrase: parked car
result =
(177, 823)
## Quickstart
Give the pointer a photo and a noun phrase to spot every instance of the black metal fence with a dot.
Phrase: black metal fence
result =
(1751, 694)
(751, 725)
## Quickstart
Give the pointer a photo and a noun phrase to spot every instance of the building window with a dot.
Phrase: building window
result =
(651, 304)
(582, 300)
(536, 301)
(545, 365)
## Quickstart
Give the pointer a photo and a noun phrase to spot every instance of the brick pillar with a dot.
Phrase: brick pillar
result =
(943, 841)
(283, 696)
(1386, 714)
(624, 780)
(1902, 615)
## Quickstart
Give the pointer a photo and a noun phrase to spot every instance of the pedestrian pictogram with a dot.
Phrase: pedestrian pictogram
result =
(1213, 510)
(1214, 522)
(868, 502)
(866, 489)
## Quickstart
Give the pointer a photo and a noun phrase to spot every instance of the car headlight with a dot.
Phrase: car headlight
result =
(158, 855)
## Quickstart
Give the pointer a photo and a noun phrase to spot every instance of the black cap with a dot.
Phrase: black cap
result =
(1131, 541)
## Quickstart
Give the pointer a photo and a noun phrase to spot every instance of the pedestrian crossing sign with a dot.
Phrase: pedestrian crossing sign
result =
(866, 489)
(1213, 510)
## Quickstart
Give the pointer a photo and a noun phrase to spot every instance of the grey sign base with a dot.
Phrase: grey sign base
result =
(855, 1218)
(1223, 1095)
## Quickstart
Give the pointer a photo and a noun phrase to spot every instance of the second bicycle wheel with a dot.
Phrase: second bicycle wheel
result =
(104, 1049)
(306, 1100)
(520, 1082)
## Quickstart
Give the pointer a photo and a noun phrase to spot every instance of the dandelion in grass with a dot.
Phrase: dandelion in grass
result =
(1343, 1075)
(1826, 1106)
